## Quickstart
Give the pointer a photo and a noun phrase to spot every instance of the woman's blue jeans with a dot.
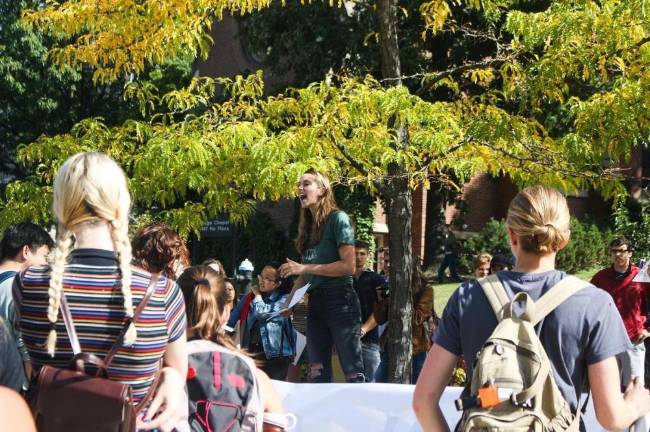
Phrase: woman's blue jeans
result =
(334, 318)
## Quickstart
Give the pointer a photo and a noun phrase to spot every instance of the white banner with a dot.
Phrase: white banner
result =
(367, 407)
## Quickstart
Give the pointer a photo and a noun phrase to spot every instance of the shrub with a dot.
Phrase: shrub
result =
(586, 249)
(632, 221)
(493, 239)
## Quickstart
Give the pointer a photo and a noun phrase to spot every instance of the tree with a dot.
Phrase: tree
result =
(38, 98)
(192, 157)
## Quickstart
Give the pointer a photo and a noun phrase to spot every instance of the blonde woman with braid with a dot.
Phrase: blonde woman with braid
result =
(91, 267)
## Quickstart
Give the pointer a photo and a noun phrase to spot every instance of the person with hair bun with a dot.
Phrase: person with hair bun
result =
(206, 302)
(91, 267)
(159, 249)
(581, 337)
(207, 312)
(215, 265)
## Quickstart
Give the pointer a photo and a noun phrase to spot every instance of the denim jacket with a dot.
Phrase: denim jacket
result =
(278, 337)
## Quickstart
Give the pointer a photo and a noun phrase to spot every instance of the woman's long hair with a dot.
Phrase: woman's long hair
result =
(420, 284)
(310, 226)
(90, 188)
(215, 263)
(205, 297)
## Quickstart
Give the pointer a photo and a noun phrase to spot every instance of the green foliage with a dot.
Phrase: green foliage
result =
(493, 239)
(38, 98)
(189, 158)
(586, 250)
(192, 159)
(343, 38)
(360, 206)
(632, 221)
(122, 37)
(458, 377)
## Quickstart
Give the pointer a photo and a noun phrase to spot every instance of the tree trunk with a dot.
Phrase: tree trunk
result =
(399, 206)
(433, 239)
(390, 63)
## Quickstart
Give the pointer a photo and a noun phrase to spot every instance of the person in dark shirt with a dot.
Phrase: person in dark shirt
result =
(326, 245)
(366, 283)
(23, 245)
(451, 250)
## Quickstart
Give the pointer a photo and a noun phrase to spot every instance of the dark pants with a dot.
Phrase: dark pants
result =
(334, 317)
(416, 366)
(276, 368)
(451, 261)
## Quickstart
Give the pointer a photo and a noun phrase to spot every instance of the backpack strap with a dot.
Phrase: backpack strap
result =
(72, 333)
(496, 294)
(151, 288)
(555, 296)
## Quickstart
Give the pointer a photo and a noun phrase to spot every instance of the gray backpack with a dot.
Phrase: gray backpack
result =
(512, 386)
(223, 391)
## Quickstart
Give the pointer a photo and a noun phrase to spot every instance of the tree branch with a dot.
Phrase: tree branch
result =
(355, 164)
(430, 157)
(526, 162)
(483, 64)
(437, 76)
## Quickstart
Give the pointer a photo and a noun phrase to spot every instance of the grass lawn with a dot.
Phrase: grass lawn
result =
(444, 291)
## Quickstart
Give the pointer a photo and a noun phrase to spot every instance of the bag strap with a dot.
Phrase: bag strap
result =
(555, 296)
(72, 333)
(496, 294)
(575, 424)
(69, 326)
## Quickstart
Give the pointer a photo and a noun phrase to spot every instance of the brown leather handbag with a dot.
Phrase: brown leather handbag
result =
(71, 400)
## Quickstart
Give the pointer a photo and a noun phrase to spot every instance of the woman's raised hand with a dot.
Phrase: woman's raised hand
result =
(291, 268)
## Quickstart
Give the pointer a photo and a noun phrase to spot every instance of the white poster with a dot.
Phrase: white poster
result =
(368, 407)
(643, 276)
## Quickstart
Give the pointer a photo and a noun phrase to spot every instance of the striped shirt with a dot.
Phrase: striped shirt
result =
(91, 287)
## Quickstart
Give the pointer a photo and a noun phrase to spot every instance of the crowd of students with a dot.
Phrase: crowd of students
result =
(195, 347)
